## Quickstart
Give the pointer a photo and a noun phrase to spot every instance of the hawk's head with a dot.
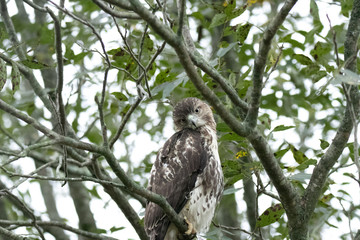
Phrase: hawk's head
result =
(193, 113)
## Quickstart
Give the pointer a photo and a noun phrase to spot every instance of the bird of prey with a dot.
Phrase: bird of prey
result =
(187, 172)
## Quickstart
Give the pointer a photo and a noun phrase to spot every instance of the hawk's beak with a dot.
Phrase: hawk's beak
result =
(193, 121)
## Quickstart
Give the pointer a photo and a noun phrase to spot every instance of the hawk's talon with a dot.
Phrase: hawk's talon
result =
(191, 230)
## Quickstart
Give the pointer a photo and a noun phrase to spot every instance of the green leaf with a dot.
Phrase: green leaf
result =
(299, 156)
(168, 87)
(279, 154)
(230, 190)
(223, 127)
(301, 177)
(265, 121)
(218, 19)
(324, 144)
(282, 128)
(115, 229)
(320, 50)
(15, 78)
(222, 51)
(33, 64)
(270, 215)
(148, 43)
(347, 76)
(231, 136)
(306, 164)
(120, 96)
(94, 192)
(314, 11)
(3, 74)
(346, 7)
(303, 59)
(242, 32)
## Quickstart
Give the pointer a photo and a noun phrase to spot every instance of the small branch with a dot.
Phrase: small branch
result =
(27, 210)
(28, 74)
(117, 14)
(9, 234)
(273, 68)
(60, 82)
(57, 224)
(235, 229)
(102, 120)
(123, 122)
(327, 161)
(137, 60)
(61, 179)
(181, 11)
(260, 62)
(335, 42)
(11, 30)
(124, 4)
(64, 10)
(49, 133)
(355, 124)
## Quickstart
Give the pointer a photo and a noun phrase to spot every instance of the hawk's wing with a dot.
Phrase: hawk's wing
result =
(174, 175)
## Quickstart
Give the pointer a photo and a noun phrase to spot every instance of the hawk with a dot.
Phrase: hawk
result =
(187, 172)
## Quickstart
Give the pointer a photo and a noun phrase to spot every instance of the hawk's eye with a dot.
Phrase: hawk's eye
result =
(183, 120)
(197, 110)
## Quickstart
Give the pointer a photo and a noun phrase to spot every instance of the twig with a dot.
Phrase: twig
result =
(11, 30)
(123, 122)
(137, 60)
(274, 66)
(60, 83)
(235, 229)
(335, 42)
(353, 114)
(102, 121)
(64, 10)
(10, 235)
(260, 62)
(181, 11)
(7, 192)
(114, 13)
(348, 215)
(60, 225)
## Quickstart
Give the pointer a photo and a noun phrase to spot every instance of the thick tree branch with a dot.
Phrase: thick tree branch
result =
(9, 234)
(115, 13)
(47, 132)
(288, 194)
(171, 38)
(56, 224)
(11, 30)
(260, 62)
(112, 161)
(338, 144)
(121, 4)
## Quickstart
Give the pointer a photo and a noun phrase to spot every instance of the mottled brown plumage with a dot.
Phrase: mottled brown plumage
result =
(187, 172)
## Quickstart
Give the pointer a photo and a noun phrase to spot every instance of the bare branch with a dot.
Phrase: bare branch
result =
(9, 234)
(115, 13)
(338, 144)
(124, 121)
(11, 30)
(57, 224)
(260, 62)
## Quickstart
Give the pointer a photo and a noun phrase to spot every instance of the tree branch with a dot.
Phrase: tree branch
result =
(115, 13)
(338, 144)
(56, 224)
(171, 38)
(260, 62)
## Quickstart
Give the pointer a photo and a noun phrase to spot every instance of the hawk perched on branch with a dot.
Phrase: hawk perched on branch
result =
(187, 172)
